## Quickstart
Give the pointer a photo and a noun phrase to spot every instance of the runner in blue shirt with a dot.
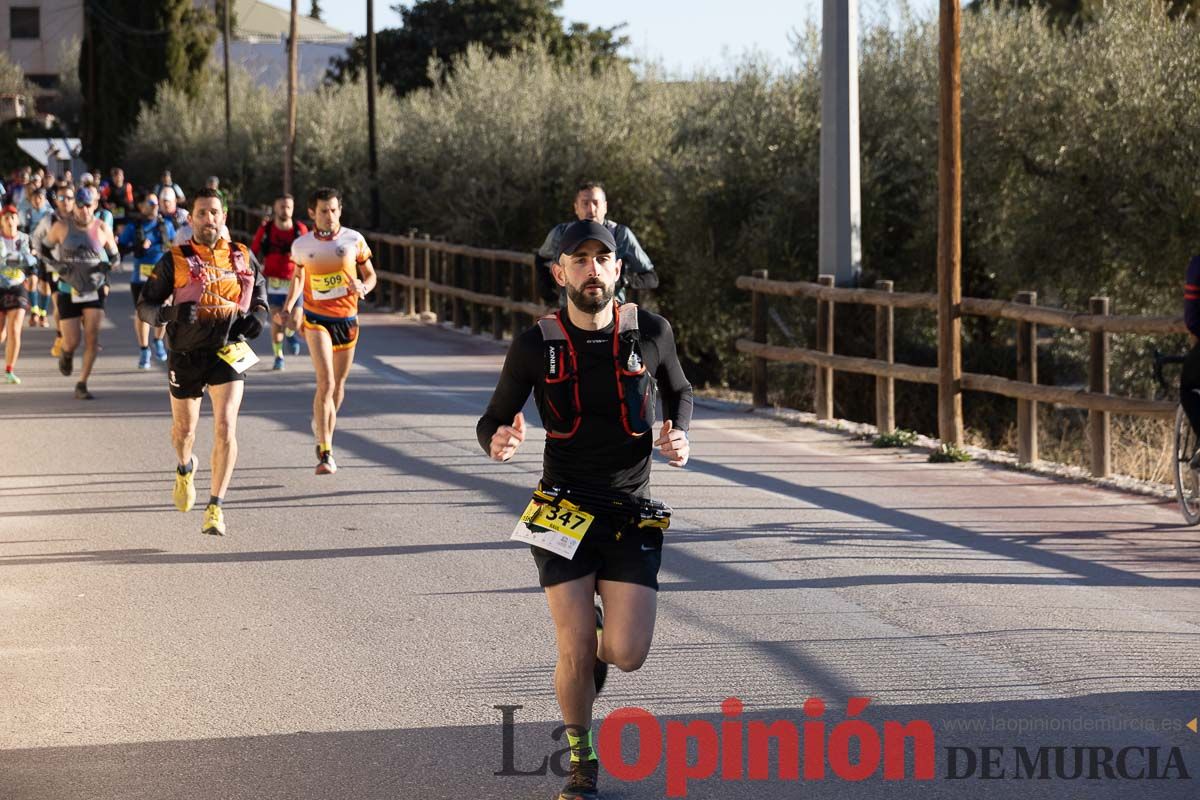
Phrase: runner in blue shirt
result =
(147, 238)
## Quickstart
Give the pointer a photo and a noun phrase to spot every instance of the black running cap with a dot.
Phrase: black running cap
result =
(585, 230)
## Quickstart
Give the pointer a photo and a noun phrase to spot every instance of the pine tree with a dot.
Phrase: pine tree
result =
(446, 28)
(138, 46)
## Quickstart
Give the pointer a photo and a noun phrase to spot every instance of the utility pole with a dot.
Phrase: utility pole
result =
(840, 240)
(89, 115)
(372, 156)
(949, 262)
(290, 143)
(228, 96)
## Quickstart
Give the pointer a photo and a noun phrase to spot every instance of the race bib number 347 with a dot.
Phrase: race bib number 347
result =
(553, 528)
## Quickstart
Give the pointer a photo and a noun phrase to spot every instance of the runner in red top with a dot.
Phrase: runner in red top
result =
(273, 246)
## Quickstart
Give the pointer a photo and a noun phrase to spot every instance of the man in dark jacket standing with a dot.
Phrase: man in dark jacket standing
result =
(591, 203)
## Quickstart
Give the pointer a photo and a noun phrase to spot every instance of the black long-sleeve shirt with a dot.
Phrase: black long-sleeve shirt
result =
(601, 454)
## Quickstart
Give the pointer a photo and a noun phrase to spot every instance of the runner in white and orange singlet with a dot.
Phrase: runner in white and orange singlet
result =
(333, 270)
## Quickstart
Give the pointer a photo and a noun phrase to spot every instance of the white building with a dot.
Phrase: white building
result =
(37, 35)
(260, 43)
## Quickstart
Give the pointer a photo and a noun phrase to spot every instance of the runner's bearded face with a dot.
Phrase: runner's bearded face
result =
(327, 215)
(81, 215)
(284, 210)
(590, 276)
(207, 218)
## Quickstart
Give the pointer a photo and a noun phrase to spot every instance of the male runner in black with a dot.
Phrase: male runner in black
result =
(595, 368)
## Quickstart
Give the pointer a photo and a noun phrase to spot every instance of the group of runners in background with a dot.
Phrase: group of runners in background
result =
(597, 369)
(199, 297)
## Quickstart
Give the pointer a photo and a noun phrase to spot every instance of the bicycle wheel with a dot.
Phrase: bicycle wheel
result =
(1187, 485)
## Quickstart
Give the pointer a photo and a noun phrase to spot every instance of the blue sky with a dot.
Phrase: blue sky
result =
(681, 34)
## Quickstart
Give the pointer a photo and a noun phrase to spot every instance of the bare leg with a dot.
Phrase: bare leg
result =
(12, 347)
(71, 334)
(277, 324)
(226, 400)
(571, 606)
(142, 329)
(185, 415)
(342, 361)
(629, 610)
(92, 317)
(320, 347)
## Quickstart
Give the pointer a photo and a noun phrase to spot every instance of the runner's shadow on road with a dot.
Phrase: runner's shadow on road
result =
(154, 556)
(448, 763)
(1071, 568)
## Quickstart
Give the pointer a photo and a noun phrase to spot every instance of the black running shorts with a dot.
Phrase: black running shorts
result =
(343, 332)
(188, 373)
(634, 558)
(14, 299)
(68, 309)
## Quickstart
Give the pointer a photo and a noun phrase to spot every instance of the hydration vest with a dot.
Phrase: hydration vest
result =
(212, 285)
(637, 392)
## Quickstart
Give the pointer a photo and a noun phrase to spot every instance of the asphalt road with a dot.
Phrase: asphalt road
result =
(353, 634)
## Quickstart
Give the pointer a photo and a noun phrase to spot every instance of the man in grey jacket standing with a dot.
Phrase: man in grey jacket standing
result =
(591, 203)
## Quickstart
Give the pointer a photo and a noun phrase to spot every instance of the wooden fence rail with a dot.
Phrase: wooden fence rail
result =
(1025, 389)
(422, 275)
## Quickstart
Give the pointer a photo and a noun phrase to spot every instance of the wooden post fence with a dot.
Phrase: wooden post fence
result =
(758, 322)
(823, 383)
(411, 289)
(885, 386)
(1027, 420)
(427, 300)
(1099, 428)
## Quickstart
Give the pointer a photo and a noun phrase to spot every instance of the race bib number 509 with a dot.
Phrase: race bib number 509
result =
(329, 286)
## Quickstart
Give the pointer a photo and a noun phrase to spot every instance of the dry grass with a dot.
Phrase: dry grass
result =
(1141, 447)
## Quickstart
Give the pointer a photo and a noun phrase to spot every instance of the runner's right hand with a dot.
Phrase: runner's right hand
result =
(184, 313)
(508, 438)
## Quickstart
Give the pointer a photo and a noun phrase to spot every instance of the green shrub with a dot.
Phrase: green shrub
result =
(948, 454)
(1079, 178)
(897, 438)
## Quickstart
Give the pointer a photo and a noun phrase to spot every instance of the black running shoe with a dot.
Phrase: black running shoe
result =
(82, 393)
(66, 363)
(581, 783)
(600, 670)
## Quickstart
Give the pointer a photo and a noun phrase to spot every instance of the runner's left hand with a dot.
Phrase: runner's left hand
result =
(360, 287)
(672, 443)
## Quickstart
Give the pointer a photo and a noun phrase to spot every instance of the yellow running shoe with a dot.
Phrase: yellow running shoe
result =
(214, 521)
(56, 350)
(185, 488)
